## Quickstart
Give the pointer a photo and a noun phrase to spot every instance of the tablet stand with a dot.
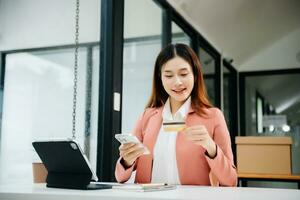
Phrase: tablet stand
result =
(73, 181)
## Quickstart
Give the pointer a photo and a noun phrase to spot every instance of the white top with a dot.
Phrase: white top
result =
(164, 154)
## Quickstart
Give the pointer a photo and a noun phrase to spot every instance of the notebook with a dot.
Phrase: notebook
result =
(67, 165)
(146, 187)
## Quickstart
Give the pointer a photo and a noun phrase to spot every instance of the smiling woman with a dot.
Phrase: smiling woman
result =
(198, 154)
(178, 81)
(175, 58)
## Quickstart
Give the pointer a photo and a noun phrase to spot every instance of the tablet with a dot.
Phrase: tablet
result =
(66, 164)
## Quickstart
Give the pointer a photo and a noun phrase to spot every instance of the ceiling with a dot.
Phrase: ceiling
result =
(257, 35)
(251, 32)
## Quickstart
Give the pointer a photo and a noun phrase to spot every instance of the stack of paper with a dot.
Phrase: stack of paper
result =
(144, 187)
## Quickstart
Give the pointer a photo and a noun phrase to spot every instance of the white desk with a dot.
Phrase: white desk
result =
(40, 192)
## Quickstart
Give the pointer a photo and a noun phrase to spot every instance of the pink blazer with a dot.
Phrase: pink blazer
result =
(194, 167)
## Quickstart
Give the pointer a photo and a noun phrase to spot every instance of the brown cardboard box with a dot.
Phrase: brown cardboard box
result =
(39, 172)
(265, 155)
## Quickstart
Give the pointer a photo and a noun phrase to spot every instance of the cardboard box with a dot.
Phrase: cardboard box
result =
(264, 155)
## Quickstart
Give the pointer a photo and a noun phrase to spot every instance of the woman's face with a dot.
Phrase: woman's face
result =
(178, 79)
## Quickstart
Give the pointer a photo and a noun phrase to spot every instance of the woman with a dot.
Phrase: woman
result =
(200, 154)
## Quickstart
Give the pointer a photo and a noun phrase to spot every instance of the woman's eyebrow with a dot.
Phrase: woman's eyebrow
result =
(181, 69)
(184, 69)
(167, 71)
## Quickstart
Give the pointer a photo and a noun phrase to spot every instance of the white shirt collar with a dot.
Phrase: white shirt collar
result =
(181, 113)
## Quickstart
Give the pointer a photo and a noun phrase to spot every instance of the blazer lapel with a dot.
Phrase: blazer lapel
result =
(151, 131)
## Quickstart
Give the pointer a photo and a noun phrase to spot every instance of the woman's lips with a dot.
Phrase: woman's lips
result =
(179, 91)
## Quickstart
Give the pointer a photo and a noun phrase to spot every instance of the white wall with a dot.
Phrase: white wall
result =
(41, 23)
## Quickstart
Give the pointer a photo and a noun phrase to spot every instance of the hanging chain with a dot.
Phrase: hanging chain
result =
(75, 69)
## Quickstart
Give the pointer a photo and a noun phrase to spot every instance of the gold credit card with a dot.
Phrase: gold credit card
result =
(173, 126)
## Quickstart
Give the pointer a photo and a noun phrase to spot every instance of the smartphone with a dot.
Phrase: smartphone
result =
(129, 138)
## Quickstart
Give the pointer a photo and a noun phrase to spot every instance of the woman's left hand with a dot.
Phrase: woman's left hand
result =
(200, 136)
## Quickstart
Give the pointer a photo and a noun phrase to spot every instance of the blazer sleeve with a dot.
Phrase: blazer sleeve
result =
(122, 175)
(222, 166)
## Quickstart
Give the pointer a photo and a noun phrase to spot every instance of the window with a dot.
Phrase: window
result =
(179, 36)
(208, 66)
(259, 113)
(37, 104)
(230, 101)
(142, 44)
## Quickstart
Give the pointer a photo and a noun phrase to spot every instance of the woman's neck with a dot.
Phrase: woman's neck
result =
(175, 105)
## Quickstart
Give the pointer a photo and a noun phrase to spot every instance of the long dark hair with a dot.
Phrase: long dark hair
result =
(159, 96)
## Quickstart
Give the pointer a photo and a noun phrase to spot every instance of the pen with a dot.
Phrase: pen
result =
(154, 184)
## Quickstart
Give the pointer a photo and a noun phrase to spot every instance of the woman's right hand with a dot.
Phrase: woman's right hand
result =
(130, 152)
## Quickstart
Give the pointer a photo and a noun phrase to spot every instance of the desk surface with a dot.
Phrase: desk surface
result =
(39, 191)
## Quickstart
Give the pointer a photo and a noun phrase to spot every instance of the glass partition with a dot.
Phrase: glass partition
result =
(38, 82)
(37, 105)
(230, 107)
(142, 44)
(226, 94)
(179, 36)
(272, 108)
(208, 66)
(142, 34)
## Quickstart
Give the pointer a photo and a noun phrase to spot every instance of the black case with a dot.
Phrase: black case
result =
(66, 164)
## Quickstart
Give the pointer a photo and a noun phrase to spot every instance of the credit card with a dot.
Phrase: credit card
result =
(174, 126)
